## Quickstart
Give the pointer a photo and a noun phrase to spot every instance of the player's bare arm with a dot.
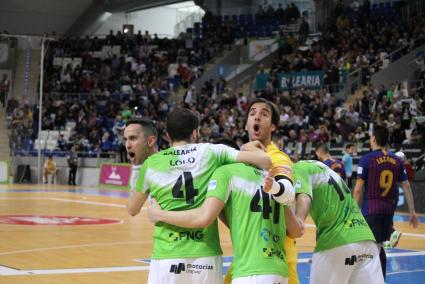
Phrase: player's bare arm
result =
(358, 190)
(135, 202)
(200, 217)
(294, 226)
(255, 156)
(413, 218)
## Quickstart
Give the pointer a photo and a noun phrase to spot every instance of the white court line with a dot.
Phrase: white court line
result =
(405, 271)
(89, 202)
(7, 271)
(75, 246)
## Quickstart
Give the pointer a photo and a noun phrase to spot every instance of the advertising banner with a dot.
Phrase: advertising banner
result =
(258, 49)
(308, 80)
(115, 175)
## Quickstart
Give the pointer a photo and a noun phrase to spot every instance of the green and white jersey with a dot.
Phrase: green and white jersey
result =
(178, 179)
(336, 214)
(134, 175)
(256, 220)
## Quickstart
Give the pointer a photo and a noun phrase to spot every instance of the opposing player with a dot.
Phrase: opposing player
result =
(256, 221)
(140, 136)
(178, 178)
(346, 251)
(377, 176)
(322, 152)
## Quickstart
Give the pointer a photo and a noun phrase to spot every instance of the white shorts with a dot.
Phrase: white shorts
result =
(356, 263)
(261, 279)
(186, 270)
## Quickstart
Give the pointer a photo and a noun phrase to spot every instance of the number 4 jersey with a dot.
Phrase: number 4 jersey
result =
(336, 214)
(178, 179)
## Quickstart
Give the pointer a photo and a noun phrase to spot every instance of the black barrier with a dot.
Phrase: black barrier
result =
(23, 174)
(418, 191)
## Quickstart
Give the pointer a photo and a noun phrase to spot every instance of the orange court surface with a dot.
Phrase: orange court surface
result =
(62, 234)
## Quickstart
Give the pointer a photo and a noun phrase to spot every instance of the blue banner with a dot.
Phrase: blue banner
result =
(309, 80)
(287, 81)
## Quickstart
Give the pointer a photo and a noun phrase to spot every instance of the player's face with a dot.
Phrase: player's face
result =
(259, 124)
(136, 143)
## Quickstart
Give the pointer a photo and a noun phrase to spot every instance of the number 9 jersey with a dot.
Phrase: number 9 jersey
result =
(380, 170)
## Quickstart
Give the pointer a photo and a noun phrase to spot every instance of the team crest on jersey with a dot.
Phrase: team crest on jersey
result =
(212, 185)
(298, 184)
(359, 170)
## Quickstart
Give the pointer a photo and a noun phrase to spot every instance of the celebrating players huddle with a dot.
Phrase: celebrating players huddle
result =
(261, 197)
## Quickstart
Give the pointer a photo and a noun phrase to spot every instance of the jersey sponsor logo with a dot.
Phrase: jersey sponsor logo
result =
(55, 220)
(358, 258)
(177, 268)
(270, 252)
(189, 268)
(359, 170)
(266, 235)
(355, 223)
(178, 152)
(351, 260)
(175, 163)
(298, 184)
(212, 185)
(186, 236)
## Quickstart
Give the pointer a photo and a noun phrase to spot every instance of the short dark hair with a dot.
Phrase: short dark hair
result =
(180, 124)
(381, 135)
(323, 148)
(349, 145)
(147, 125)
(273, 107)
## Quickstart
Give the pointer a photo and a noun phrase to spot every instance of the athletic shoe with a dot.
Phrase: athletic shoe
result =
(395, 237)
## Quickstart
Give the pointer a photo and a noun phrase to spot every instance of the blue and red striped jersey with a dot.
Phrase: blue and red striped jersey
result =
(337, 166)
(380, 170)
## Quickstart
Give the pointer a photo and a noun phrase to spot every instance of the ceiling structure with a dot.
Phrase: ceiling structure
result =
(64, 17)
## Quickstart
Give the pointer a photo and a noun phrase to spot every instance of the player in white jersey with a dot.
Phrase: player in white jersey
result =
(140, 136)
(178, 178)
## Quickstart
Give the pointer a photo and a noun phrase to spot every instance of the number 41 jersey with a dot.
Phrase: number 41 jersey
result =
(178, 179)
(336, 214)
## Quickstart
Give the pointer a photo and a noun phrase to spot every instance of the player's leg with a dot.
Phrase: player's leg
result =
(260, 279)
(380, 230)
(186, 270)
(333, 266)
(368, 267)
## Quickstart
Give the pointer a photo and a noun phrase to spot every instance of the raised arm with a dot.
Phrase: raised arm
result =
(253, 153)
(303, 206)
(200, 217)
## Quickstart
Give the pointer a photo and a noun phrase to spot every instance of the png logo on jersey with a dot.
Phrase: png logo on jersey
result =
(55, 220)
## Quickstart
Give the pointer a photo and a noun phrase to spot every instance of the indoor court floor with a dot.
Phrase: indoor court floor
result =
(62, 234)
